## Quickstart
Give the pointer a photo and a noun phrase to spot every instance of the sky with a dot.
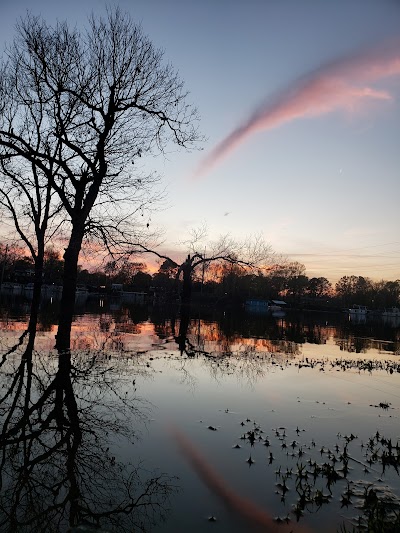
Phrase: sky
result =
(300, 109)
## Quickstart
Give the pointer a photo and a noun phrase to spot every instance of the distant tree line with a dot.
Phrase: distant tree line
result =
(220, 281)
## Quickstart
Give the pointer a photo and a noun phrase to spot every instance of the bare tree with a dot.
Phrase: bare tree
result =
(32, 208)
(106, 98)
(251, 254)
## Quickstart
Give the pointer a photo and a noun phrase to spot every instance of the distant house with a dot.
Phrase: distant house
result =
(23, 275)
(264, 306)
(275, 305)
(257, 304)
(117, 288)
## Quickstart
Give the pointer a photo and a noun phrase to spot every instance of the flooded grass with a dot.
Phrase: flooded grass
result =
(307, 441)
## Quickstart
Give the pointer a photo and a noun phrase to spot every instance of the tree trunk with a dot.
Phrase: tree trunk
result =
(187, 283)
(71, 255)
(184, 320)
(37, 292)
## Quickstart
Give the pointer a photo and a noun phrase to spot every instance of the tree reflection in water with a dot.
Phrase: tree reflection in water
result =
(201, 337)
(61, 415)
(235, 332)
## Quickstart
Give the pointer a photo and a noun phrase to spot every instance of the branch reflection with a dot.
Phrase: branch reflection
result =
(61, 418)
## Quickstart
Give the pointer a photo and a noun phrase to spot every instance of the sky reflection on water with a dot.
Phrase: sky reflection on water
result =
(321, 404)
(285, 386)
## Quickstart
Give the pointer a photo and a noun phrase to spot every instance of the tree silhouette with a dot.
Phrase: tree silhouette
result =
(104, 98)
(251, 254)
(29, 203)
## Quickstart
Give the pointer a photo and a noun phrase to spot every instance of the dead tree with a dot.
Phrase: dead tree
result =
(107, 99)
(252, 253)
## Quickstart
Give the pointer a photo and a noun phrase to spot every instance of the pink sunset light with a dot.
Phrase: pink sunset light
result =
(339, 85)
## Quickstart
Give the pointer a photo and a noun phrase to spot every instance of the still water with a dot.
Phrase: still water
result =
(221, 421)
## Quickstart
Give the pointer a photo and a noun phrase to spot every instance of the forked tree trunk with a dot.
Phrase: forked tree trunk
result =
(67, 305)
(186, 293)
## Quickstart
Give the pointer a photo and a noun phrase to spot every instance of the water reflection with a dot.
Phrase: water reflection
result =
(70, 421)
(101, 323)
(62, 416)
(291, 335)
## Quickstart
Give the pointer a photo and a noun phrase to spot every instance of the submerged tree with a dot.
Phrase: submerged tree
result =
(106, 98)
(251, 254)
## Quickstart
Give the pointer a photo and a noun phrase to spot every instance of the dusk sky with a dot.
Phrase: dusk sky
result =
(300, 106)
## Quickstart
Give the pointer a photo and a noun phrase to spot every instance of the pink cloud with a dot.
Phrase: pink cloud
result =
(340, 85)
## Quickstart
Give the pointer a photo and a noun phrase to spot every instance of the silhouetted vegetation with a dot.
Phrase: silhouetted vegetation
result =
(77, 110)
(212, 280)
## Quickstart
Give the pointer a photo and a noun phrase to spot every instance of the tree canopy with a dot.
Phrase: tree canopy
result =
(81, 108)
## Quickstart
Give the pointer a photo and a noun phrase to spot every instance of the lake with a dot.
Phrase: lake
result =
(217, 421)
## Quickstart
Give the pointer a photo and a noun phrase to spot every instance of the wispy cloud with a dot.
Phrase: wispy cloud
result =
(340, 84)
